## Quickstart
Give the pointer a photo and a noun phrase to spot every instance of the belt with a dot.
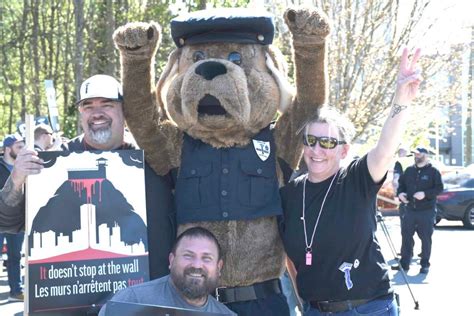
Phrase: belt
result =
(334, 307)
(255, 291)
(341, 306)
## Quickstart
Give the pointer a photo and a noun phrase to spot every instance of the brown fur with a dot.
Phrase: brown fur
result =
(253, 251)
(257, 241)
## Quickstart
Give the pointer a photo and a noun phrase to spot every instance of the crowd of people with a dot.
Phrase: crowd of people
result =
(341, 272)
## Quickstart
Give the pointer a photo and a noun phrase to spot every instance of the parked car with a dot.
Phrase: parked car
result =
(456, 203)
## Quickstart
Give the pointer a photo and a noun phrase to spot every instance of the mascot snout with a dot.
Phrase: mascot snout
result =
(210, 105)
(214, 89)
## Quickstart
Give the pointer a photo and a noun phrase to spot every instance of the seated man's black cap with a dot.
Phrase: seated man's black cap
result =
(235, 25)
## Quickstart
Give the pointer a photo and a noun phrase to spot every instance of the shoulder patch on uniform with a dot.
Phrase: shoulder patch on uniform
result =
(262, 148)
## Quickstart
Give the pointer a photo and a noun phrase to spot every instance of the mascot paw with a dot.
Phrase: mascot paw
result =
(308, 26)
(138, 39)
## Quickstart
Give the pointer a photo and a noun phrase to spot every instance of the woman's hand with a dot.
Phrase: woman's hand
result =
(409, 78)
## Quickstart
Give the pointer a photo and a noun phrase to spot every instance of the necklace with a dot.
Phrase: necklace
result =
(309, 255)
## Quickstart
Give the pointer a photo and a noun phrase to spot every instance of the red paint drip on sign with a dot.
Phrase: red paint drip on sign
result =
(88, 185)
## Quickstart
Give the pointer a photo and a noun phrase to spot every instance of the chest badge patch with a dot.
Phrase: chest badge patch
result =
(346, 267)
(262, 149)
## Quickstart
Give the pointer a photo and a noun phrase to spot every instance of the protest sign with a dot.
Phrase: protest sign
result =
(86, 229)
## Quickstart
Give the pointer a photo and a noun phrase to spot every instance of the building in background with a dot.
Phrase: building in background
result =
(453, 140)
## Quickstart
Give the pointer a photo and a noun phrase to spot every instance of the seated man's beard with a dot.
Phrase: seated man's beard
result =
(101, 136)
(193, 288)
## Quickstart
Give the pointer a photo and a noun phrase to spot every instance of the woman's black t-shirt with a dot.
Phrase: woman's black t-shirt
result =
(346, 260)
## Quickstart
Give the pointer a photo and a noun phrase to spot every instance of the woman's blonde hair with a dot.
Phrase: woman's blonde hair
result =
(331, 115)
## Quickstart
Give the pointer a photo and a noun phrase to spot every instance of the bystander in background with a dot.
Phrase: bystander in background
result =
(12, 144)
(418, 188)
(44, 137)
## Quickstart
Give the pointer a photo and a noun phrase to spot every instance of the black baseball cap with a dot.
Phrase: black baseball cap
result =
(420, 150)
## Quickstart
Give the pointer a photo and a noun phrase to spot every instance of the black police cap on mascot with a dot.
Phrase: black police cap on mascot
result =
(235, 25)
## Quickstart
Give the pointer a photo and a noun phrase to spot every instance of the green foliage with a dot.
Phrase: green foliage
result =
(39, 40)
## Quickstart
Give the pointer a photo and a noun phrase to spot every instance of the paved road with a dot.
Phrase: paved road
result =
(446, 290)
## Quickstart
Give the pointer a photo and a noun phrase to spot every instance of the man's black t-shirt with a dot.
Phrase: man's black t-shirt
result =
(344, 239)
(161, 215)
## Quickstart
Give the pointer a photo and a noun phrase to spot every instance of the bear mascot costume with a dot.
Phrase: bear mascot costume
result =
(210, 118)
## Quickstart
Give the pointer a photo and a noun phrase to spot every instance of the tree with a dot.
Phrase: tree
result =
(69, 40)
(364, 51)
(64, 41)
(364, 47)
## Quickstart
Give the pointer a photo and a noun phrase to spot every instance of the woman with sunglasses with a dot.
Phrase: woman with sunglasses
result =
(329, 213)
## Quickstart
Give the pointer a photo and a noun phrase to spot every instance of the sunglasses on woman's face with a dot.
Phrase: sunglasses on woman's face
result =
(324, 141)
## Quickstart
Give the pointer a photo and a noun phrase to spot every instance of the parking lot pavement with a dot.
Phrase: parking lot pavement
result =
(446, 290)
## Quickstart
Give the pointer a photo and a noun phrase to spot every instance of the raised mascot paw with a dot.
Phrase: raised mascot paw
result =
(308, 26)
(138, 38)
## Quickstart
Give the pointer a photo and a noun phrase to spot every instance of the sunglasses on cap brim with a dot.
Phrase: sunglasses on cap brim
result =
(324, 141)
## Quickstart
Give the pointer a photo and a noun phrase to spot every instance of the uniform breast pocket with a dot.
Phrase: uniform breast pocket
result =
(193, 185)
(256, 183)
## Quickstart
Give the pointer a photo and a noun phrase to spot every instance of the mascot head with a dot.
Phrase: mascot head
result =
(224, 82)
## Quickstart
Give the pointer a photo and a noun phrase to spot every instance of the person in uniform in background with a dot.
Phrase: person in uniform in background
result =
(418, 188)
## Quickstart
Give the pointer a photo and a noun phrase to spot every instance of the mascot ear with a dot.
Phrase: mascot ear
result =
(166, 77)
(277, 65)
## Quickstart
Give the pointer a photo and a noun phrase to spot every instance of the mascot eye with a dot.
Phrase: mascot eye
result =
(235, 58)
(198, 55)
